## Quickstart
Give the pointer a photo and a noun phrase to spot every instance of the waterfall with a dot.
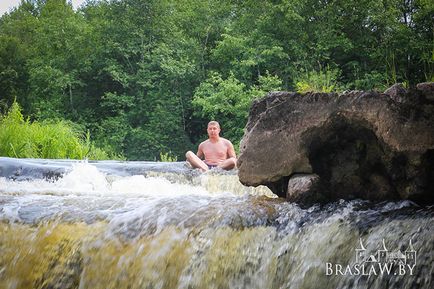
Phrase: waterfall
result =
(69, 224)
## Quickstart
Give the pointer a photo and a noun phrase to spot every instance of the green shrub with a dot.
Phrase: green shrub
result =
(323, 80)
(372, 81)
(168, 157)
(21, 138)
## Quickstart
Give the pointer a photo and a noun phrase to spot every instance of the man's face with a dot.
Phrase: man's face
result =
(213, 130)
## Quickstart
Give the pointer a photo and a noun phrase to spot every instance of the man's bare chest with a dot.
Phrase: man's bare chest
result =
(216, 150)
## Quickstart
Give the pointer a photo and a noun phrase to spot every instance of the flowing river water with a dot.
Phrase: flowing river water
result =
(108, 224)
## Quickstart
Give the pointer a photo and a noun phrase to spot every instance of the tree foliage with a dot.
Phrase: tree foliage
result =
(144, 77)
(228, 100)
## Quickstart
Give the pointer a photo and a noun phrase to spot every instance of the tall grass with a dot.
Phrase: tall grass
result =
(322, 80)
(21, 138)
(168, 157)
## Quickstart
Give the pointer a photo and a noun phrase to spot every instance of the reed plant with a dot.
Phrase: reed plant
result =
(21, 138)
(322, 80)
(168, 157)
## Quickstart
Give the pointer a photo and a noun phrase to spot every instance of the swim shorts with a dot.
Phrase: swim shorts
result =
(211, 166)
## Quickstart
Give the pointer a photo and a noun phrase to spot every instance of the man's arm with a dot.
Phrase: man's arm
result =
(231, 150)
(200, 153)
(231, 158)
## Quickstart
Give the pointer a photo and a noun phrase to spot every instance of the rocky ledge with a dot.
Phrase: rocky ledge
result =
(322, 147)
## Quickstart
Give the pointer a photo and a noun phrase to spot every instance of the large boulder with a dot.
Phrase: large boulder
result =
(369, 145)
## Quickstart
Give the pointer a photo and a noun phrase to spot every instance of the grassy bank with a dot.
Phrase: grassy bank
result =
(21, 138)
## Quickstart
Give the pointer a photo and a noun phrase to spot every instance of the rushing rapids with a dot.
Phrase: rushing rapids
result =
(67, 224)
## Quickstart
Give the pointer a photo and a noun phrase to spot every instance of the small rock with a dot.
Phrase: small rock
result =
(397, 92)
(427, 90)
(305, 189)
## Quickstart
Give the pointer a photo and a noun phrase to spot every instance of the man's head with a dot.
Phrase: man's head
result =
(213, 129)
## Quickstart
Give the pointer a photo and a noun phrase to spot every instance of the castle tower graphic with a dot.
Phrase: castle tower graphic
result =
(410, 255)
(383, 254)
(361, 253)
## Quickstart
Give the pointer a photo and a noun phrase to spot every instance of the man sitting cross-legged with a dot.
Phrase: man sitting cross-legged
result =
(216, 151)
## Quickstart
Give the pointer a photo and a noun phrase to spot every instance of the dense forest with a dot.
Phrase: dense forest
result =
(144, 77)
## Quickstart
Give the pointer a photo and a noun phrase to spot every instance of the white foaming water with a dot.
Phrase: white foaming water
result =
(87, 194)
(86, 179)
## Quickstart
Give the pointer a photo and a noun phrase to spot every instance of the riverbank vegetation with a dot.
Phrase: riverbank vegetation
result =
(21, 138)
(144, 77)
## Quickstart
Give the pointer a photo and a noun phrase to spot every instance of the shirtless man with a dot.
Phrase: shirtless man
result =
(217, 151)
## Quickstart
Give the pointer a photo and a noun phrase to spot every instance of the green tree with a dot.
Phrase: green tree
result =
(228, 101)
(144, 77)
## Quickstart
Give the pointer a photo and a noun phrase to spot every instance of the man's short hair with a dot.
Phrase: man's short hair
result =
(213, 122)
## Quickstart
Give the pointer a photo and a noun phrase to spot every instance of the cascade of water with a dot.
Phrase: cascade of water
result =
(92, 228)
